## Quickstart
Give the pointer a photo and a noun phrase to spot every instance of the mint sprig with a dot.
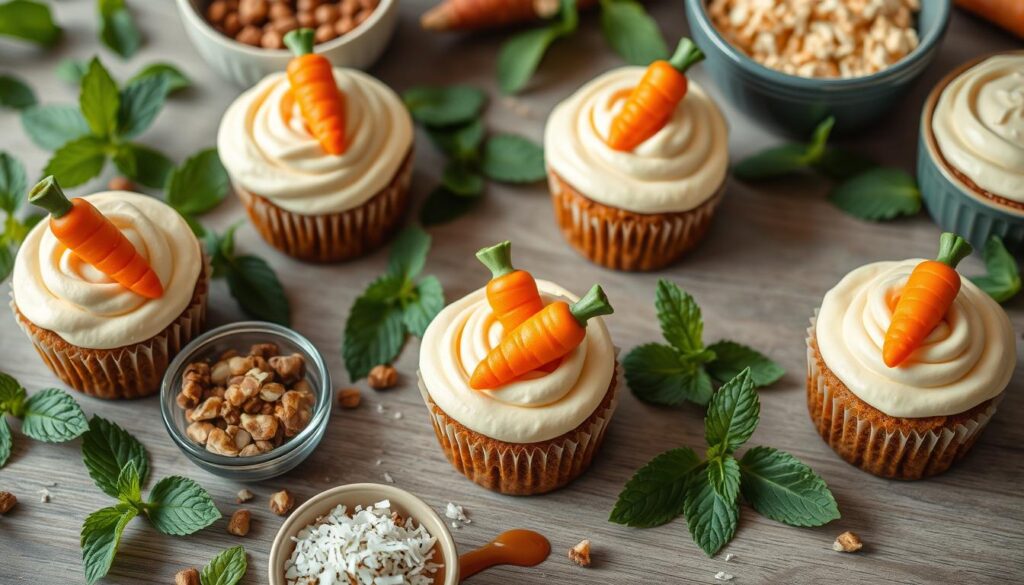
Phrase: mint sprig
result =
(444, 106)
(707, 493)
(50, 415)
(30, 21)
(251, 280)
(117, 28)
(631, 32)
(878, 194)
(227, 568)
(1002, 280)
(521, 55)
(15, 93)
(13, 186)
(107, 449)
(396, 304)
(684, 369)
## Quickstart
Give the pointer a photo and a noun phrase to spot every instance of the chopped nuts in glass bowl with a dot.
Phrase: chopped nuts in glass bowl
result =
(247, 401)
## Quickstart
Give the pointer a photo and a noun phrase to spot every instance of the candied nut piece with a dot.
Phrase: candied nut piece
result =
(272, 392)
(216, 12)
(240, 436)
(280, 11)
(324, 33)
(580, 554)
(253, 11)
(220, 373)
(349, 398)
(199, 431)
(191, 394)
(239, 523)
(240, 365)
(382, 377)
(232, 24)
(7, 501)
(281, 502)
(209, 409)
(847, 542)
(220, 443)
(197, 372)
(289, 369)
(261, 427)
(253, 405)
(265, 350)
(243, 496)
(230, 413)
(187, 577)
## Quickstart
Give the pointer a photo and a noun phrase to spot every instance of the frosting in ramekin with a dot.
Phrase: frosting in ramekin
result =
(675, 170)
(57, 291)
(272, 154)
(979, 125)
(966, 360)
(536, 408)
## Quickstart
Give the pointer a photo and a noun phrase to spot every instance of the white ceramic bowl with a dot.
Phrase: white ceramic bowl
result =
(244, 65)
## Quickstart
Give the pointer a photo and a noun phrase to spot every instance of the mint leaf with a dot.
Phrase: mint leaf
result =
(78, 161)
(732, 358)
(140, 102)
(179, 506)
(632, 32)
(13, 184)
(99, 100)
(129, 485)
(443, 106)
(143, 165)
(227, 568)
(28, 20)
(72, 70)
(106, 449)
(459, 142)
(461, 179)
(199, 185)
(426, 302)
(819, 140)
(680, 318)
(12, 395)
(15, 93)
(732, 414)
(839, 164)
(409, 253)
(117, 28)
(443, 206)
(6, 261)
(53, 416)
(257, 289)
(176, 80)
(772, 163)
(1002, 281)
(724, 476)
(374, 334)
(655, 494)
(53, 126)
(101, 534)
(878, 194)
(657, 373)
(782, 488)
(6, 442)
(513, 159)
(710, 518)
(520, 55)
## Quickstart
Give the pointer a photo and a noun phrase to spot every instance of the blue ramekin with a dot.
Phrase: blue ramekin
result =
(795, 104)
(954, 205)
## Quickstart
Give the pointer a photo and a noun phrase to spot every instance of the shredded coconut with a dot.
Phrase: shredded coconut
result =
(723, 576)
(44, 495)
(455, 512)
(388, 478)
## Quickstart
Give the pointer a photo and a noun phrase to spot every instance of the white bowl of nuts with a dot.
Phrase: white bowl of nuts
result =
(242, 40)
(247, 401)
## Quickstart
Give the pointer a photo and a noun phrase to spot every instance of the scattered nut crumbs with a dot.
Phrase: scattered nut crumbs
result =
(723, 576)
(349, 398)
(282, 502)
(7, 501)
(239, 522)
(380, 408)
(580, 554)
(382, 377)
(729, 557)
(847, 542)
(398, 416)
(44, 495)
(187, 577)
(455, 512)
(388, 478)
(243, 496)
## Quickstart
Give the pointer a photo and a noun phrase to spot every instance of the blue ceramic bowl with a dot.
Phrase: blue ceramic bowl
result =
(955, 205)
(795, 104)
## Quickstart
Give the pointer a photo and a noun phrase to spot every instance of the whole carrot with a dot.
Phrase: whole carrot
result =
(651, 103)
(512, 294)
(1008, 14)
(546, 336)
(95, 239)
(312, 81)
(925, 299)
(479, 14)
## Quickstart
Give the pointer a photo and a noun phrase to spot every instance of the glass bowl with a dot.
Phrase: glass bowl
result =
(240, 336)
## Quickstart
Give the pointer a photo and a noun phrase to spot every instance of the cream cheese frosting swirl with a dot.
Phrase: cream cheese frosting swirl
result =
(57, 291)
(979, 124)
(536, 408)
(272, 154)
(675, 170)
(966, 360)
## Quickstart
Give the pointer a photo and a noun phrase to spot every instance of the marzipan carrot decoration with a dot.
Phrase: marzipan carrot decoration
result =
(512, 293)
(95, 239)
(321, 102)
(1008, 14)
(925, 299)
(478, 14)
(546, 336)
(651, 103)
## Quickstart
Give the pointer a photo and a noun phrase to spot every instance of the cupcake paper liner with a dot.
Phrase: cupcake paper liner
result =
(623, 240)
(886, 450)
(132, 371)
(523, 469)
(332, 237)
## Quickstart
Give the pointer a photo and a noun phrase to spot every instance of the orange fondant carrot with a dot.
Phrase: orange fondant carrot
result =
(312, 81)
(95, 239)
(925, 299)
(651, 103)
(546, 336)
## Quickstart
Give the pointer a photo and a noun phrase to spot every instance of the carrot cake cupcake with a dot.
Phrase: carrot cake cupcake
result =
(109, 289)
(320, 156)
(637, 162)
(907, 362)
(504, 419)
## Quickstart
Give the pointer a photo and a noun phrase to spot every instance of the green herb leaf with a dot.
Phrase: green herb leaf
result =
(443, 206)
(6, 442)
(878, 194)
(15, 93)
(101, 535)
(53, 416)
(129, 484)
(772, 163)
(409, 253)
(53, 126)
(840, 164)
(520, 55)
(6, 261)
(176, 80)
(258, 291)
(28, 20)
(427, 302)
(147, 166)
(658, 373)
(227, 568)
(180, 506)
(199, 185)
(13, 184)
(443, 106)
(72, 70)
(117, 28)
(732, 358)
(724, 476)
(632, 32)
(78, 161)
(459, 142)
(1002, 281)
(106, 449)
(656, 493)
(819, 140)
(140, 102)
(461, 179)
(680, 318)
(12, 395)
(732, 414)
(99, 100)
(513, 159)
(782, 488)
(710, 518)
(374, 334)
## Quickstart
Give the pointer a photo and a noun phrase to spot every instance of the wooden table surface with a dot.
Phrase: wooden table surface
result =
(771, 255)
